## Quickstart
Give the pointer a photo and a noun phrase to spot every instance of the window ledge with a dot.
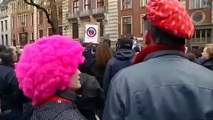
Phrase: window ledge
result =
(126, 9)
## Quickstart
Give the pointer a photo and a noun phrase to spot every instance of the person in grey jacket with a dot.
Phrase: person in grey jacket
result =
(163, 84)
(122, 58)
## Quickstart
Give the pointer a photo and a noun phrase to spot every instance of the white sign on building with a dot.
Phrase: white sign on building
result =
(91, 33)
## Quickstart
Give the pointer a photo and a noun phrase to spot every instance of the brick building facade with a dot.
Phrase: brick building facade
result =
(201, 12)
(130, 22)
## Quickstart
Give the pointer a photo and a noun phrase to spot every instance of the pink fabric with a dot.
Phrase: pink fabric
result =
(47, 66)
(170, 16)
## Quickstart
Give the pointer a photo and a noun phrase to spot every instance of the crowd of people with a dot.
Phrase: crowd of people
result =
(59, 78)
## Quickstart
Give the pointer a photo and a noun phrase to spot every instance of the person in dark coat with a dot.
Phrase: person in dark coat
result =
(48, 74)
(103, 55)
(90, 96)
(163, 84)
(207, 56)
(121, 59)
(11, 96)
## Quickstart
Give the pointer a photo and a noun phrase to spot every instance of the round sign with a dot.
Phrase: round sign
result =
(198, 16)
(91, 32)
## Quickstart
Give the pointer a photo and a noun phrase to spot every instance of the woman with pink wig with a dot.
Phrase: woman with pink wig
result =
(48, 73)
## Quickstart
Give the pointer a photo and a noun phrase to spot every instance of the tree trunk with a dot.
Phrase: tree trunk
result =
(54, 17)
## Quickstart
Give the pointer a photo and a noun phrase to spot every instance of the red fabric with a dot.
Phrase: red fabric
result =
(170, 16)
(153, 48)
(54, 98)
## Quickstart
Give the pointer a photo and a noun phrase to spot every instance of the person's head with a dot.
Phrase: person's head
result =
(125, 43)
(155, 35)
(207, 52)
(167, 23)
(103, 54)
(2, 47)
(15, 57)
(49, 65)
(6, 57)
(191, 56)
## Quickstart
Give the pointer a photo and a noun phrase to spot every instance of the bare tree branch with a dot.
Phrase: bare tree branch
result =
(49, 20)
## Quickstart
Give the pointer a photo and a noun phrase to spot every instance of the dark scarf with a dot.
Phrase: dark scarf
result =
(154, 48)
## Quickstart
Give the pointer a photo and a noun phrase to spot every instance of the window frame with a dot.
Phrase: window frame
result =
(126, 5)
(193, 4)
(143, 3)
(130, 16)
(87, 6)
(2, 26)
(40, 20)
(6, 25)
(100, 3)
(40, 34)
(75, 2)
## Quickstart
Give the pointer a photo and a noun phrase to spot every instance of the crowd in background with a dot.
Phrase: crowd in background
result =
(59, 78)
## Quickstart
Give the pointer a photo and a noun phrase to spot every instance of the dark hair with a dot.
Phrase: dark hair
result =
(124, 43)
(6, 57)
(191, 56)
(162, 37)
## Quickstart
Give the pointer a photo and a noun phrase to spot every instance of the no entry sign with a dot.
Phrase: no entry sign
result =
(91, 33)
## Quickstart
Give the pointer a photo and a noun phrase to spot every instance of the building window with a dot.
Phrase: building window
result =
(6, 39)
(195, 4)
(2, 39)
(50, 31)
(32, 20)
(41, 33)
(75, 6)
(60, 30)
(13, 21)
(126, 25)
(126, 4)
(101, 26)
(87, 4)
(202, 36)
(32, 36)
(60, 13)
(40, 17)
(5, 24)
(143, 2)
(142, 24)
(2, 26)
(100, 3)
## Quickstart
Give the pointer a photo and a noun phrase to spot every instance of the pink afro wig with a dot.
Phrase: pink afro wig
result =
(47, 66)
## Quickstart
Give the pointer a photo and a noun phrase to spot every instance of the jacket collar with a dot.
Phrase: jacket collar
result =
(164, 53)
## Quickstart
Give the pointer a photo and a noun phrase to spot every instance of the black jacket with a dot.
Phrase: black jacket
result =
(90, 96)
(11, 96)
(58, 110)
(208, 64)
